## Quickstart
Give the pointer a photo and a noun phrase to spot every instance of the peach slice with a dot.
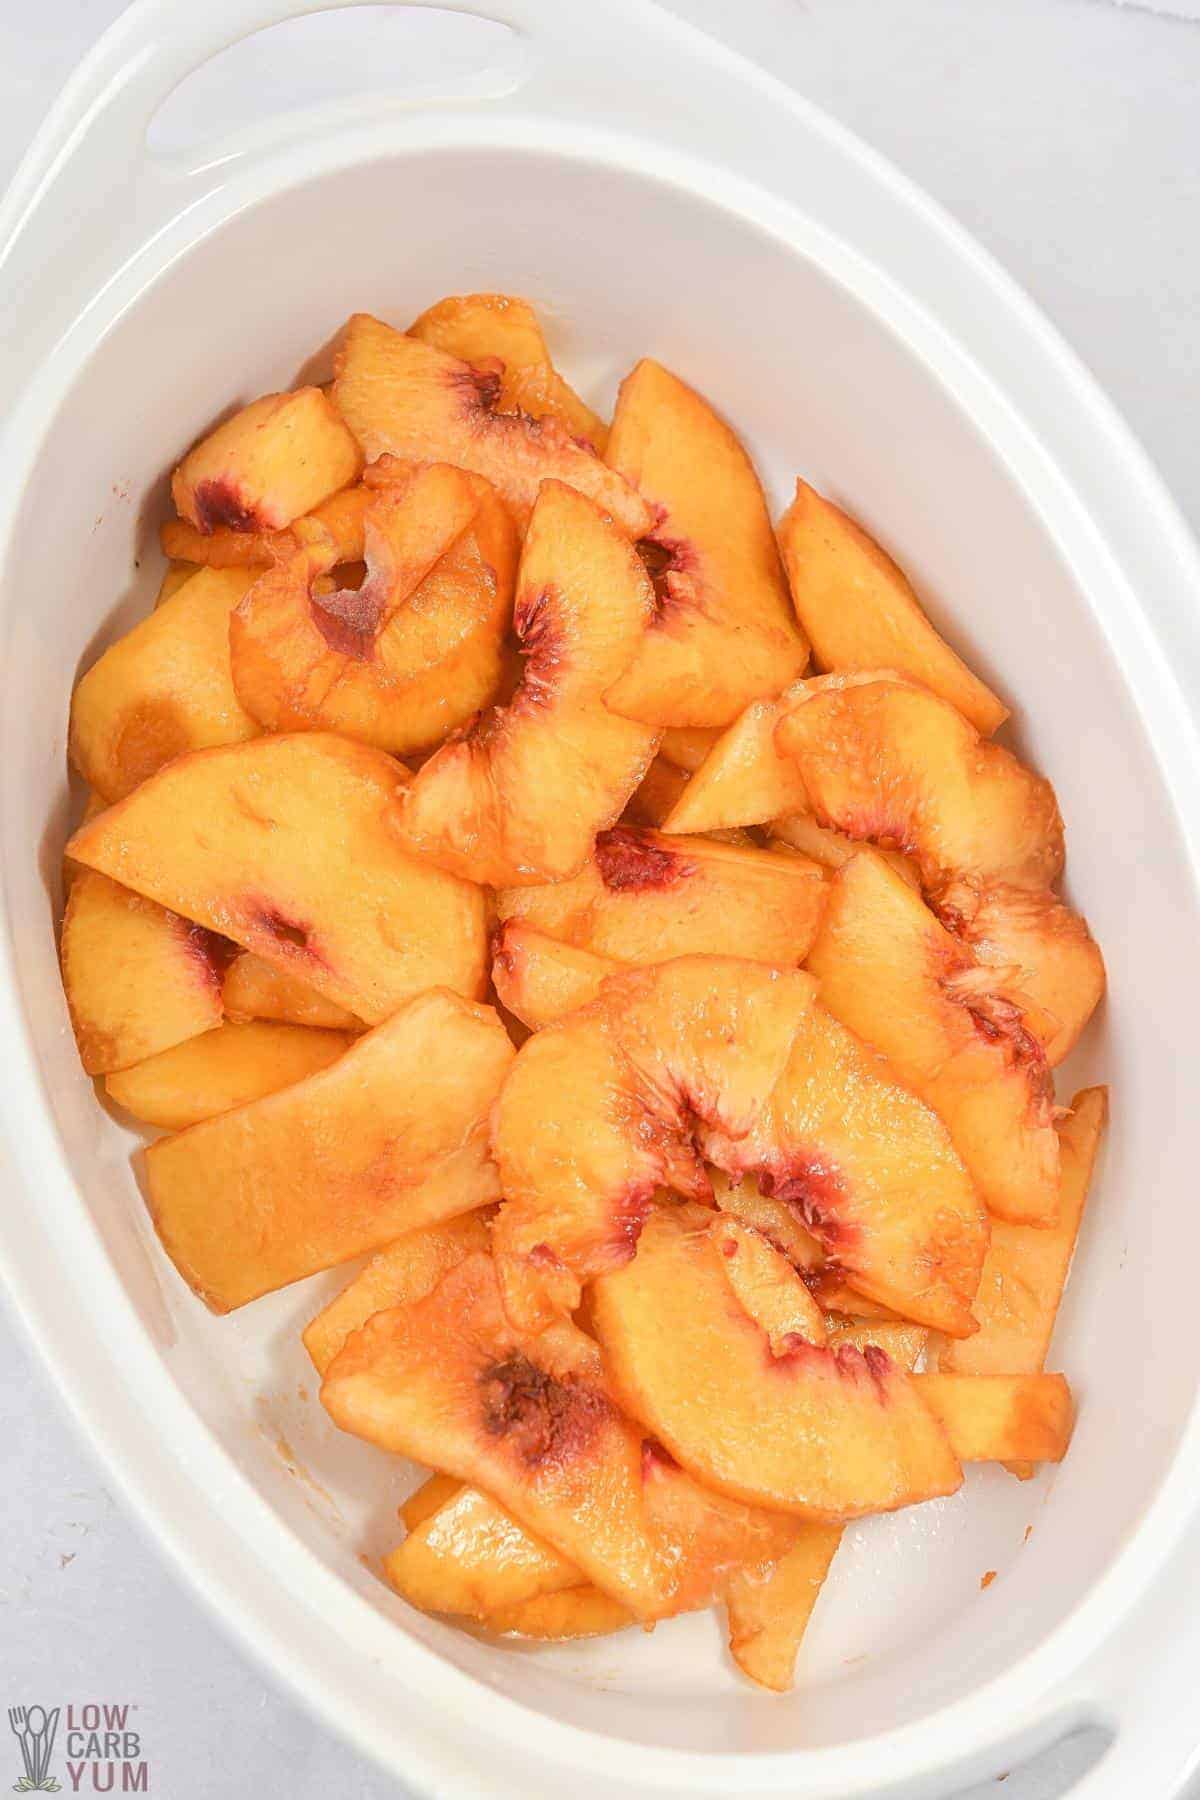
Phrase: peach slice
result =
(860, 611)
(283, 844)
(891, 763)
(540, 979)
(769, 1609)
(470, 1557)
(774, 1420)
(1031, 930)
(178, 571)
(952, 1028)
(530, 1418)
(724, 632)
(483, 329)
(224, 1068)
(1001, 1418)
(800, 831)
(687, 746)
(138, 978)
(413, 653)
(253, 988)
(572, 1613)
(736, 1061)
(164, 688)
(661, 787)
(340, 518)
(403, 1272)
(644, 897)
(433, 1493)
(392, 1136)
(744, 780)
(408, 399)
(902, 1342)
(521, 797)
(275, 459)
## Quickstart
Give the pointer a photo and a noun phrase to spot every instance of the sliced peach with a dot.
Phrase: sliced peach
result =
(432, 1494)
(1001, 1418)
(521, 797)
(339, 518)
(403, 398)
(744, 780)
(483, 329)
(952, 1028)
(283, 844)
(774, 1420)
(661, 787)
(470, 1557)
(687, 746)
(772, 1219)
(577, 1612)
(164, 688)
(644, 897)
(800, 831)
(530, 1418)
(413, 653)
(860, 611)
(539, 979)
(178, 571)
(738, 1061)
(221, 1069)
(392, 1136)
(890, 763)
(396, 1276)
(902, 1342)
(137, 977)
(769, 1609)
(275, 459)
(254, 988)
(1031, 930)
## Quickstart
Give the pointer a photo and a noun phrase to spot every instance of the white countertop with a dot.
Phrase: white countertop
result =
(1066, 135)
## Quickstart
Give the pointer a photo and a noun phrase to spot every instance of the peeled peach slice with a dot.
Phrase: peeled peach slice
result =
(396, 1276)
(407, 399)
(521, 797)
(659, 792)
(530, 1418)
(644, 897)
(772, 1418)
(571, 1613)
(253, 988)
(860, 611)
(340, 518)
(769, 1609)
(800, 831)
(137, 977)
(275, 459)
(413, 653)
(1001, 1418)
(951, 1028)
(392, 1136)
(904, 1343)
(432, 1494)
(221, 1069)
(472, 1558)
(724, 631)
(891, 763)
(483, 329)
(687, 746)
(164, 688)
(540, 979)
(282, 844)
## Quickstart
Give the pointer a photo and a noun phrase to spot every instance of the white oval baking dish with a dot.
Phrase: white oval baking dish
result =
(654, 194)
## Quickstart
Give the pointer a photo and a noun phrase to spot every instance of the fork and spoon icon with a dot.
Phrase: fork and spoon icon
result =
(34, 1729)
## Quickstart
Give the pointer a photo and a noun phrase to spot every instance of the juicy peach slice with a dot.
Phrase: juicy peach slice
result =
(860, 611)
(221, 1069)
(413, 653)
(724, 631)
(800, 831)
(392, 1136)
(137, 977)
(521, 797)
(282, 844)
(540, 979)
(178, 571)
(407, 399)
(530, 1418)
(704, 1536)
(483, 329)
(652, 802)
(432, 1494)
(776, 1421)
(164, 688)
(578, 1612)
(405, 1271)
(253, 988)
(1031, 930)
(769, 1609)
(644, 897)
(687, 746)
(1001, 1418)
(951, 1028)
(339, 518)
(275, 459)
(744, 780)
(890, 763)
(470, 1557)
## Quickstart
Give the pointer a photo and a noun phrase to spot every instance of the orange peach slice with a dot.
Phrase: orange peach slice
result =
(138, 978)
(164, 688)
(860, 611)
(339, 518)
(275, 459)
(579, 1612)
(744, 780)
(521, 797)
(800, 831)
(470, 1557)
(178, 571)
(393, 1135)
(540, 979)
(644, 897)
(769, 1609)
(723, 632)
(413, 653)
(659, 792)
(403, 398)
(1000, 1418)
(221, 1069)
(687, 746)
(253, 988)
(433, 1493)
(953, 1029)
(282, 844)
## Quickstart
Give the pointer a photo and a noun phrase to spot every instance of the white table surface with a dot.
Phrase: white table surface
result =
(1066, 135)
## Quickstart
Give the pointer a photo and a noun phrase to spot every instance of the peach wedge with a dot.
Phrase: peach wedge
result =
(539, 979)
(520, 798)
(392, 1136)
(282, 844)
(221, 1069)
(277, 458)
(339, 518)
(254, 988)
